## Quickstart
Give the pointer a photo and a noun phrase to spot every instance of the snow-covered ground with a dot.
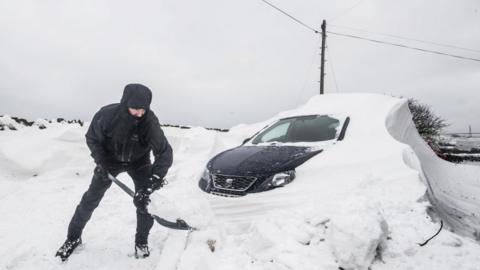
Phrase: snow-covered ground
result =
(461, 143)
(460, 148)
(360, 204)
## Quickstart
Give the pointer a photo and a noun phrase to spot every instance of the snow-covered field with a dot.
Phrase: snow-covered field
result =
(360, 204)
(461, 143)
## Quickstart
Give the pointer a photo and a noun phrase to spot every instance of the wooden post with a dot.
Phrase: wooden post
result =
(322, 64)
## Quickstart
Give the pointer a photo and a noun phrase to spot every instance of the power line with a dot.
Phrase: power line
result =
(404, 46)
(369, 39)
(405, 38)
(291, 17)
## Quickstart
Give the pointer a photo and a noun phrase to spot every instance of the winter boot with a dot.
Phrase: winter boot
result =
(141, 251)
(67, 248)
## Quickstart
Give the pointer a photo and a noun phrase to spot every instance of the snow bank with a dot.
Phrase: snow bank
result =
(454, 189)
(356, 244)
(6, 122)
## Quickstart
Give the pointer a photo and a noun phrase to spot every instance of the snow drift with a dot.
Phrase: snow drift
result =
(454, 189)
(360, 204)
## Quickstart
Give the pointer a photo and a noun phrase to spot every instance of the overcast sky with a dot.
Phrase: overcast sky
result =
(219, 63)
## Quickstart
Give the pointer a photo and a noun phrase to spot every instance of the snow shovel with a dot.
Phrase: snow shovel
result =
(179, 224)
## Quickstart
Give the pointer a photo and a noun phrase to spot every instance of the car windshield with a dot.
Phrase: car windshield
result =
(312, 128)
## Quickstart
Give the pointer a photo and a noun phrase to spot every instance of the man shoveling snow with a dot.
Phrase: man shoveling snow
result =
(120, 138)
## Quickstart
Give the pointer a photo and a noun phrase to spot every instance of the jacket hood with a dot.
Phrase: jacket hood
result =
(137, 96)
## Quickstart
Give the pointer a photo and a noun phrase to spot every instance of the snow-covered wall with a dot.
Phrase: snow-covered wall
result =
(454, 189)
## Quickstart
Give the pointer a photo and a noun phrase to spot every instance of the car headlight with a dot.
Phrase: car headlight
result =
(206, 174)
(280, 179)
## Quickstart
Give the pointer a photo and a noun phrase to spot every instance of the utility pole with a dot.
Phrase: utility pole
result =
(322, 64)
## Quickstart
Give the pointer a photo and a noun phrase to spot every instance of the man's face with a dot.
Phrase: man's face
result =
(136, 112)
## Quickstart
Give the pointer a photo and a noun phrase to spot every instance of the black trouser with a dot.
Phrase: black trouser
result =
(140, 174)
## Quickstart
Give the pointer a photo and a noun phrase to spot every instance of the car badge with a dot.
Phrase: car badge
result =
(229, 182)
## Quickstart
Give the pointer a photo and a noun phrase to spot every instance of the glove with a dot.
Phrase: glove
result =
(101, 171)
(141, 200)
(156, 183)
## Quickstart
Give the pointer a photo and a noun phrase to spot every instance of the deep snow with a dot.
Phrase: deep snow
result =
(361, 203)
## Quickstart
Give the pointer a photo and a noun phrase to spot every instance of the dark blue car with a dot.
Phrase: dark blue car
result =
(268, 159)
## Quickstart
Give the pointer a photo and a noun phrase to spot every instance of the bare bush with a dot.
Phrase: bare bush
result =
(427, 123)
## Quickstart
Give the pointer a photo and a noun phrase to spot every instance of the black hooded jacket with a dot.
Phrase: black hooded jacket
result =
(116, 137)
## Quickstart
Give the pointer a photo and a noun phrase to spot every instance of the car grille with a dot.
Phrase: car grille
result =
(235, 183)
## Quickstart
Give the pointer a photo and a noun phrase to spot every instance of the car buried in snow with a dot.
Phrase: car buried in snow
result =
(268, 159)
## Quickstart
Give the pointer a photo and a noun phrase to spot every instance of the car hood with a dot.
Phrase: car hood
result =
(259, 160)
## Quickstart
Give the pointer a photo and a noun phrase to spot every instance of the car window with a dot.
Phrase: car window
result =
(277, 133)
(322, 128)
(312, 128)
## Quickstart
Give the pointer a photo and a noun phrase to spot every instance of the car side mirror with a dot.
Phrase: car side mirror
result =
(246, 140)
